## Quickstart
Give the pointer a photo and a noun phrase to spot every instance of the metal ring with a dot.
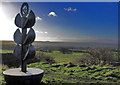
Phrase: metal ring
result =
(24, 9)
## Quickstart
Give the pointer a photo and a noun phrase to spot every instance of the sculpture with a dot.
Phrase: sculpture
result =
(24, 49)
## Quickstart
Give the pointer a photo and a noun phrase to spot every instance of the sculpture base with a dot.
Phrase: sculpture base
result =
(15, 76)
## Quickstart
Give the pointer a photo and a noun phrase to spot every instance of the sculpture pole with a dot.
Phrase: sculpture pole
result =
(24, 12)
(23, 65)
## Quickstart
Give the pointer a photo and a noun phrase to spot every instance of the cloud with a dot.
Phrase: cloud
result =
(52, 14)
(45, 32)
(37, 31)
(41, 32)
(38, 18)
(70, 9)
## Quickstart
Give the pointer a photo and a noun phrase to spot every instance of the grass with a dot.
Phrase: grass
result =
(6, 51)
(63, 58)
(77, 73)
(64, 72)
(80, 54)
(61, 73)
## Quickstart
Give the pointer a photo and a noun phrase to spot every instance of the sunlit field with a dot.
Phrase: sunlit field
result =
(69, 64)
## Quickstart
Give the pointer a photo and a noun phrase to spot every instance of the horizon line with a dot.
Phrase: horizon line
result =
(63, 41)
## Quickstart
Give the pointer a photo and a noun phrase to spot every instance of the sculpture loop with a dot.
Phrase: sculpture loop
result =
(24, 9)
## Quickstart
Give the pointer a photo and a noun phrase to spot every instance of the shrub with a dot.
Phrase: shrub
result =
(46, 58)
(97, 56)
(84, 59)
(65, 50)
(102, 55)
(10, 60)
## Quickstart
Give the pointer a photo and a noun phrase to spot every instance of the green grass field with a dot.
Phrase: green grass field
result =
(60, 73)
(66, 73)
(67, 70)
(64, 58)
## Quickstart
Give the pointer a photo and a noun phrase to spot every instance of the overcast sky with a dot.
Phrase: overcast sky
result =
(65, 21)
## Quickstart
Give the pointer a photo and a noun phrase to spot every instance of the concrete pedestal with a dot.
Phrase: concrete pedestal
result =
(33, 76)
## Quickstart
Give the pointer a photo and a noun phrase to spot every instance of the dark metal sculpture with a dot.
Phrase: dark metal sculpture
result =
(24, 50)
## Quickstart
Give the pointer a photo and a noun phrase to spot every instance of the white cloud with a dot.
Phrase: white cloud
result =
(45, 32)
(38, 18)
(41, 32)
(37, 31)
(52, 14)
(70, 9)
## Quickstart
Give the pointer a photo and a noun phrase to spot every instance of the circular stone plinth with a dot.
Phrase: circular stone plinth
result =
(16, 76)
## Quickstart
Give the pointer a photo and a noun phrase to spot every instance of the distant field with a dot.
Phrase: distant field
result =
(64, 58)
(59, 57)
(66, 44)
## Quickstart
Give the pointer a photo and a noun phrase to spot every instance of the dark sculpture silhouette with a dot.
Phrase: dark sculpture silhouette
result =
(24, 50)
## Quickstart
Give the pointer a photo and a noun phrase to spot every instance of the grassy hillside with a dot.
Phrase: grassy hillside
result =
(70, 73)
(71, 66)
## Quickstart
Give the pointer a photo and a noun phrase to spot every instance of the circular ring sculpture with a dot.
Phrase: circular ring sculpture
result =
(24, 50)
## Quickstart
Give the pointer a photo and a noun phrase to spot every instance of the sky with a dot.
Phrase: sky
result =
(65, 21)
